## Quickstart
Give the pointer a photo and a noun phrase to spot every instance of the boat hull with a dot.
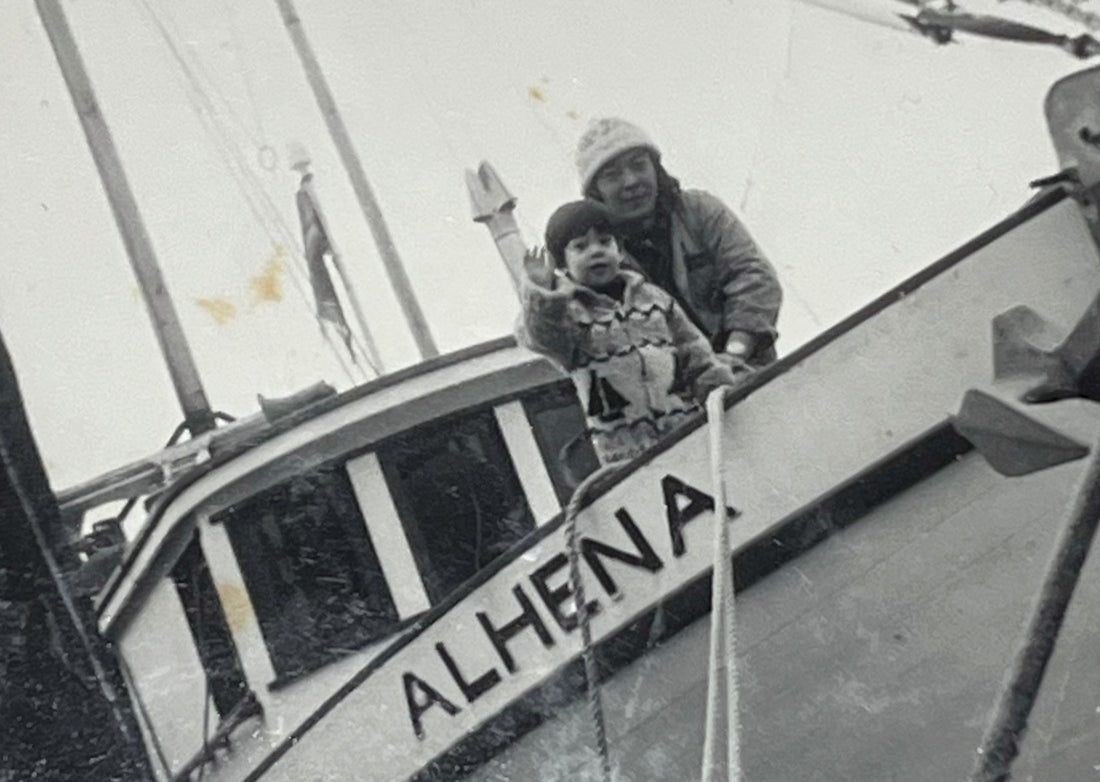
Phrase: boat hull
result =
(875, 655)
(883, 661)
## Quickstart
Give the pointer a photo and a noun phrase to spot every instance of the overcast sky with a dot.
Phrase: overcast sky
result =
(856, 154)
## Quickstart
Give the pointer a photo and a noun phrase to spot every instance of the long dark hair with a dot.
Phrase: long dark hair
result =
(668, 187)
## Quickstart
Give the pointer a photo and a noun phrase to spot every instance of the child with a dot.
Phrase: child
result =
(640, 366)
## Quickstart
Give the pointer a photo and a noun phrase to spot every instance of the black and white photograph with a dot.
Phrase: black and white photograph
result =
(509, 390)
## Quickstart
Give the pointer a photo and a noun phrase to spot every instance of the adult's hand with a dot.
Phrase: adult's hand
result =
(741, 369)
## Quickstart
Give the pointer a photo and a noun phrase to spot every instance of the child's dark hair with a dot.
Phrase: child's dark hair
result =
(572, 220)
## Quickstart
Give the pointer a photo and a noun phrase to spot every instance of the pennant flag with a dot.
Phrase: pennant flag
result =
(316, 243)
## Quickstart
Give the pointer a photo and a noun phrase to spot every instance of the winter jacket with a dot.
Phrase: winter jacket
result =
(639, 365)
(720, 273)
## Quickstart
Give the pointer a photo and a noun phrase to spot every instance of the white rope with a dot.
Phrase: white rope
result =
(722, 685)
(576, 583)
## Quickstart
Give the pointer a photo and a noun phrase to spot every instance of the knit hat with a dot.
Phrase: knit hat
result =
(573, 220)
(603, 140)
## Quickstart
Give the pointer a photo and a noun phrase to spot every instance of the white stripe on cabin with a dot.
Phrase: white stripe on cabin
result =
(527, 458)
(240, 614)
(387, 535)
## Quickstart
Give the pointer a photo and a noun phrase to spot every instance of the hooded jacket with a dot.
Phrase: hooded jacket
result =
(640, 366)
(721, 274)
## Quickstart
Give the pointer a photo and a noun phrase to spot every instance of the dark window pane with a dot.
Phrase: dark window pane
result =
(458, 495)
(310, 570)
(558, 423)
(209, 628)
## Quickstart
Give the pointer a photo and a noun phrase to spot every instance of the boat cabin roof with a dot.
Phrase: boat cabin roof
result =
(334, 428)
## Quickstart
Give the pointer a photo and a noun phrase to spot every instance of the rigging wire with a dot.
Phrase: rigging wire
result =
(766, 132)
(143, 712)
(265, 154)
(209, 116)
(237, 167)
(259, 202)
(1069, 9)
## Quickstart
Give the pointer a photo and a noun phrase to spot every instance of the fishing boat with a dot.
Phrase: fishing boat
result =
(385, 591)
(382, 584)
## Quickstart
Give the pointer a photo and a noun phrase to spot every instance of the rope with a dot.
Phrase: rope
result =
(591, 673)
(1001, 743)
(721, 702)
(135, 695)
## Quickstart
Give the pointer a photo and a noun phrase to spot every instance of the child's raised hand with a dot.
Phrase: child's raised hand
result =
(539, 267)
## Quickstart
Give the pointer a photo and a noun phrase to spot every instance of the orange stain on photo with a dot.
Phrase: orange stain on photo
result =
(221, 310)
(235, 603)
(267, 285)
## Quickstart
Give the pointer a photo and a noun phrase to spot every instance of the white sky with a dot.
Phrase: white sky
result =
(856, 154)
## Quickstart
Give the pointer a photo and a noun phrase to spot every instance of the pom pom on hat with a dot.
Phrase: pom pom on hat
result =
(603, 140)
(572, 220)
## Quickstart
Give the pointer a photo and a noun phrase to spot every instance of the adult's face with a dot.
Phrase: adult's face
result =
(627, 184)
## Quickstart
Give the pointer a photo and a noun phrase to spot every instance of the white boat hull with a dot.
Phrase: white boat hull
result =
(886, 656)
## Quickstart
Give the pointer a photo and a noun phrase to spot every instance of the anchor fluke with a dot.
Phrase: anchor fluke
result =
(488, 195)
(494, 207)
(1011, 441)
(1027, 345)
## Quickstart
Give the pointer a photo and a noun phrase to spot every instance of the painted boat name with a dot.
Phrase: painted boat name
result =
(683, 503)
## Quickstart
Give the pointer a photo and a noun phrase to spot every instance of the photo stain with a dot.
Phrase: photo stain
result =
(536, 93)
(573, 114)
(220, 310)
(267, 285)
(238, 611)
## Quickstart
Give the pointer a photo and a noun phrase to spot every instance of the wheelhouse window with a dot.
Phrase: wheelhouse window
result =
(559, 427)
(209, 629)
(458, 496)
(310, 570)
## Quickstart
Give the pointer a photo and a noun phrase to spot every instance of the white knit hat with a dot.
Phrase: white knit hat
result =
(604, 139)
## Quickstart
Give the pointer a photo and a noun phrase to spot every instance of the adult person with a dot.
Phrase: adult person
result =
(686, 241)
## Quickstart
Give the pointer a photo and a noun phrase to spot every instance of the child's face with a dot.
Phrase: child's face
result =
(593, 258)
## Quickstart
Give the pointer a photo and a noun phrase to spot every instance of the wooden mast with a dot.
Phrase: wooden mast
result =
(363, 192)
(181, 366)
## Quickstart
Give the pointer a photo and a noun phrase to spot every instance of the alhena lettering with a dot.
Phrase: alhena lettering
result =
(471, 691)
(555, 598)
(528, 617)
(646, 558)
(420, 697)
(682, 504)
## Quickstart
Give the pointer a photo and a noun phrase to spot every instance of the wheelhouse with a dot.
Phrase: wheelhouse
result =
(258, 583)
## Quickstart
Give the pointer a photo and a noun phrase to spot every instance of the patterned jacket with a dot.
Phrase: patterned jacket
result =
(640, 366)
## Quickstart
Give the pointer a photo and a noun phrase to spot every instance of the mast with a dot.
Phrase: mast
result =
(139, 248)
(363, 192)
